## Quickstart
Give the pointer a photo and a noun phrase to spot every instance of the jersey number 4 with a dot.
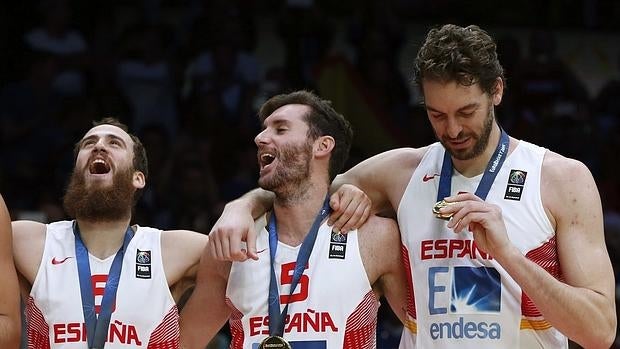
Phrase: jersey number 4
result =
(286, 278)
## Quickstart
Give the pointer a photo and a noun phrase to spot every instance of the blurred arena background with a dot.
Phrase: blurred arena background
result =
(188, 76)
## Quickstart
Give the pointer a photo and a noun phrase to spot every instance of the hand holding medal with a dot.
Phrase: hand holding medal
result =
(437, 210)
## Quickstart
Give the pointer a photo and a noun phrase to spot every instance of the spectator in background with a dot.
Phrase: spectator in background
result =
(55, 36)
(146, 77)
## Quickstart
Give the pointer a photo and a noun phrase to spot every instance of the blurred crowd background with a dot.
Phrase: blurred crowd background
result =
(187, 76)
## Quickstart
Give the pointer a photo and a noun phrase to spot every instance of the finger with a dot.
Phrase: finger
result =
(345, 215)
(251, 244)
(334, 203)
(365, 215)
(225, 248)
(356, 219)
(219, 255)
(212, 245)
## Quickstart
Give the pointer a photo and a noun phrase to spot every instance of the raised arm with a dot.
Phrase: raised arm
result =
(383, 178)
(235, 227)
(206, 311)
(10, 325)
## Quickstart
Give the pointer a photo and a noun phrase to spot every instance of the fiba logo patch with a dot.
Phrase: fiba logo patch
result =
(516, 183)
(476, 290)
(338, 246)
(143, 264)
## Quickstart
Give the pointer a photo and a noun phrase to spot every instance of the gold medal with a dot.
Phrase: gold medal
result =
(439, 205)
(274, 342)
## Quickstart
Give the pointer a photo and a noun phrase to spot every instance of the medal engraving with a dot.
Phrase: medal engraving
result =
(274, 342)
(439, 205)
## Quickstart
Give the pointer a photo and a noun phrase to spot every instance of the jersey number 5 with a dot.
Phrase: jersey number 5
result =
(286, 278)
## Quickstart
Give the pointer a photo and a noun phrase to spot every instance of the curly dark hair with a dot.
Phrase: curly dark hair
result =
(466, 55)
(322, 120)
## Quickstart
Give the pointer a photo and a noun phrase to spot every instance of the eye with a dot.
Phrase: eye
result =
(115, 142)
(437, 116)
(281, 130)
(87, 143)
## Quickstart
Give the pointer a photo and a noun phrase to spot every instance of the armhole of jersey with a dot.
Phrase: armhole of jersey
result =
(44, 257)
(160, 261)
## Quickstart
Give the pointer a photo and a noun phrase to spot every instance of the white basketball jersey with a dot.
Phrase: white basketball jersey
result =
(333, 306)
(464, 298)
(144, 315)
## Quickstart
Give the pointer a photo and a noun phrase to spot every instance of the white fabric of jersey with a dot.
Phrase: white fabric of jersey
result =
(464, 298)
(334, 305)
(145, 313)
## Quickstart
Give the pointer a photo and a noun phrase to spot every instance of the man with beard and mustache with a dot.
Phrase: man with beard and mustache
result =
(313, 288)
(504, 239)
(98, 280)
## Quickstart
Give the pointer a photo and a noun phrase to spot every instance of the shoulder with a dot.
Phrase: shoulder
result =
(379, 230)
(182, 239)
(28, 246)
(558, 171)
(405, 158)
(28, 231)
(566, 185)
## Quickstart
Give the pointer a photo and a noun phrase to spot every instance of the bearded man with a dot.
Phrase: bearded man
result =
(97, 280)
(311, 288)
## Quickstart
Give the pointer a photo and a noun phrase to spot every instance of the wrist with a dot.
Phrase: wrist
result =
(508, 254)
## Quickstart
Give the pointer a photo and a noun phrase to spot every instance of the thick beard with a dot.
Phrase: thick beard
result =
(289, 181)
(99, 204)
(482, 140)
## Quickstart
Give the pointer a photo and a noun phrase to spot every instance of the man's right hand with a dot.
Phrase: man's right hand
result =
(350, 208)
(233, 236)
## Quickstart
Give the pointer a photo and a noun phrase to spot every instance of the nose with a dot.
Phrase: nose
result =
(261, 137)
(100, 144)
(453, 127)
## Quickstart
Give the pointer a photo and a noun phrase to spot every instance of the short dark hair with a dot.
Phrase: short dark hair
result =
(466, 55)
(140, 161)
(322, 120)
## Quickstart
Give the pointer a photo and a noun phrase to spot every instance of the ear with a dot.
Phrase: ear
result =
(139, 181)
(499, 92)
(323, 146)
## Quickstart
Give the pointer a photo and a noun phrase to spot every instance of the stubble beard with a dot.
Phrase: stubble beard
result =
(481, 141)
(98, 203)
(290, 179)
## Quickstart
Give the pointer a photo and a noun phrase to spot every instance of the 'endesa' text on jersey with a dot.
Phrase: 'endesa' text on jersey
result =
(76, 332)
(451, 248)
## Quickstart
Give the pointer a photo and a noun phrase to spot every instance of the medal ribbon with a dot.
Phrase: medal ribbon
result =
(276, 318)
(97, 326)
(493, 167)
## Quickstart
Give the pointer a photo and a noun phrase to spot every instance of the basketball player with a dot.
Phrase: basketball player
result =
(325, 286)
(505, 238)
(10, 326)
(98, 280)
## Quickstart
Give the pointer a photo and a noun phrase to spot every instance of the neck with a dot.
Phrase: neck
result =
(295, 217)
(103, 239)
(477, 165)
